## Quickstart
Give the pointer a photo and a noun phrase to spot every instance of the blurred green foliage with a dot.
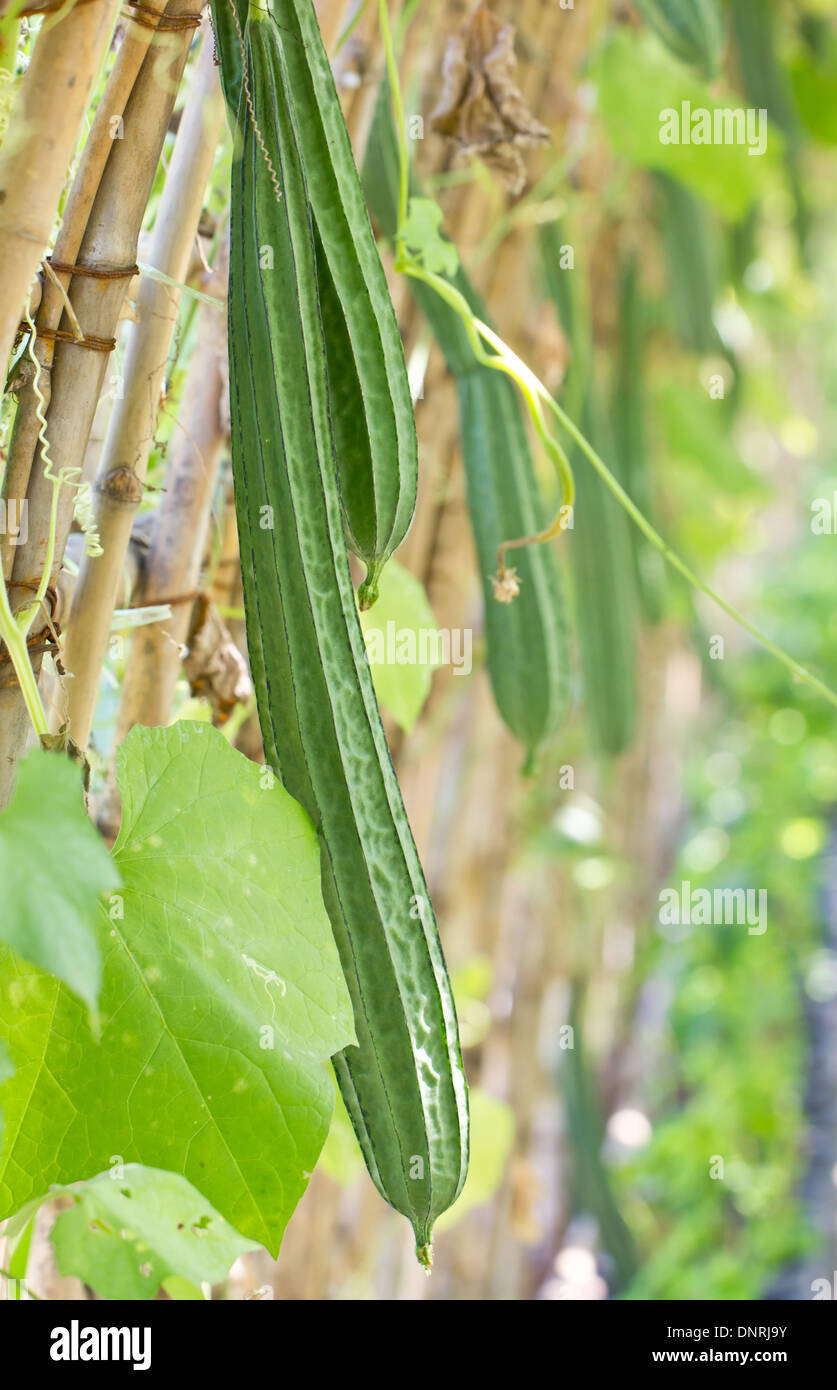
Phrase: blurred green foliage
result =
(741, 399)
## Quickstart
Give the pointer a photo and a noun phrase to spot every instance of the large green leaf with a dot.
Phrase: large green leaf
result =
(53, 866)
(637, 82)
(130, 1230)
(222, 996)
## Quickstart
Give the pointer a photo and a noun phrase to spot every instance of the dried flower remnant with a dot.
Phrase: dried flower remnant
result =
(480, 108)
(506, 585)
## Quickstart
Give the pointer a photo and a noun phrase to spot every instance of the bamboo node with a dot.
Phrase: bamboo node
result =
(158, 20)
(61, 335)
(121, 486)
(33, 585)
(171, 600)
(95, 272)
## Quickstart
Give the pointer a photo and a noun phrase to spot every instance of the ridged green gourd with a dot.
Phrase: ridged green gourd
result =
(403, 1085)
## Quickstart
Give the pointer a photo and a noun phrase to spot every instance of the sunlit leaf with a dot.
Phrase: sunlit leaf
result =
(222, 997)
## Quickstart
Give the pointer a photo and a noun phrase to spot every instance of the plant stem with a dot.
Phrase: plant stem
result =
(347, 30)
(503, 360)
(15, 642)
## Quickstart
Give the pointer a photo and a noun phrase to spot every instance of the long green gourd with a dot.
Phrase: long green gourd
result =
(765, 83)
(628, 411)
(526, 640)
(403, 1084)
(372, 413)
(686, 235)
(693, 30)
(605, 597)
(605, 601)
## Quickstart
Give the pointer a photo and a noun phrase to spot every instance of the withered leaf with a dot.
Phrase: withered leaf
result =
(480, 107)
(213, 664)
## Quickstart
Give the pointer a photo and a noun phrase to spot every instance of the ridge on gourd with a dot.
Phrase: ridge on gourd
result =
(403, 1084)
(527, 644)
(372, 408)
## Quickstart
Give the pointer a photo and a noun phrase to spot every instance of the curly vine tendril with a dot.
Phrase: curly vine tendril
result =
(71, 477)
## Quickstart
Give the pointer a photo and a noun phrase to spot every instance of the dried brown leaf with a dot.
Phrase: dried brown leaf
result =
(480, 107)
(213, 664)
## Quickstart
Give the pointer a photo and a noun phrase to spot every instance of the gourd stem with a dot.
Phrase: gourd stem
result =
(19, 656)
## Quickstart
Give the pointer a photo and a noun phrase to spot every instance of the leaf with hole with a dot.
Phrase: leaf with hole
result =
(130, 1230)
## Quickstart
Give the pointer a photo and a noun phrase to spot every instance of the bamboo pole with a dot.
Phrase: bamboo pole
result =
(107, 126)
(332, 16)
(181, 523)
(119, 485)
(39, 144)
(110, 242)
